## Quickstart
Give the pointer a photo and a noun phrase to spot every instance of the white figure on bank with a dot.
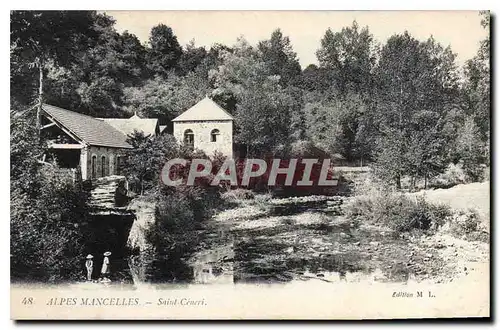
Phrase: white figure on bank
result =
(89, 264)
(105, 265)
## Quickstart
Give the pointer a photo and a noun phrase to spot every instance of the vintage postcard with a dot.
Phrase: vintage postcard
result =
(249, 165)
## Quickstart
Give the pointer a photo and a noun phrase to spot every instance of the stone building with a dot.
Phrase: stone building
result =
(207, 127)
(95, 145)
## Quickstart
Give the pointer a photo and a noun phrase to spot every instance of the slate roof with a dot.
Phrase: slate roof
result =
(127, 126)
(88, 129)
(204, 110)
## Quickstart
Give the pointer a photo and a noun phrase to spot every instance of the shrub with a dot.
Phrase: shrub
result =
(46, 232)
(464, 222)
(398, 211)
(179, 212)
(237, 195)
(453, 175)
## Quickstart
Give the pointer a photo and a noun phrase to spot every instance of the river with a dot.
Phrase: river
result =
(277, 241)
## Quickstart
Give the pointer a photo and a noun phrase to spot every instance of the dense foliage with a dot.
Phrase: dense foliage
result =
(47, 212)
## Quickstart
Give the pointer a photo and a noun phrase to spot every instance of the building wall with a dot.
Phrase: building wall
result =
(110, 161)
(202, 135)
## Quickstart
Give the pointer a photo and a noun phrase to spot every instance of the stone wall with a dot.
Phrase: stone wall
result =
(202, 135)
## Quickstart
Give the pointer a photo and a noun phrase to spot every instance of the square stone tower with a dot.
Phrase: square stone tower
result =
(207, 127)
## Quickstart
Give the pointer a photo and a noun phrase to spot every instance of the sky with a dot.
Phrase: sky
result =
(459, 29)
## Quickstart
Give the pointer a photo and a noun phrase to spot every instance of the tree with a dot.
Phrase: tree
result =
(37, 37)
(476, 89)
(264, 108)
(416, 87)
(89, 75)
(166, 98)
(470, 149)
(143, 163)
(278, 54)
(316, 79)
(335, 124)
(164, 52)
(349, 55)
(191, 58)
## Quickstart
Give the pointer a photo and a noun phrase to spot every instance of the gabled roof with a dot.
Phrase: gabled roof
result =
(88, 129)
(134, 123)
(206, 109)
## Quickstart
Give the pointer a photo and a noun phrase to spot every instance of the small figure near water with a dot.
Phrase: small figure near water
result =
(89, 264)
(105, 270)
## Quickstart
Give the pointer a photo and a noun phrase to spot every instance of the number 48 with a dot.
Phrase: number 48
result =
(27, 301)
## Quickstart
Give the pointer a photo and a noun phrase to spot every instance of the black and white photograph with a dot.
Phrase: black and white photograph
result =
(249, 164)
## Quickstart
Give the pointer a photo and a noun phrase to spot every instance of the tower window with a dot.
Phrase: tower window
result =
(189, 137)
(214, 135)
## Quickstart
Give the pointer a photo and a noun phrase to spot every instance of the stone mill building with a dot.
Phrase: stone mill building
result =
(207, 127)
(98, 145)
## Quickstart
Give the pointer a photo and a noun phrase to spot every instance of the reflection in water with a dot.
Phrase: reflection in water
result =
(213, 273)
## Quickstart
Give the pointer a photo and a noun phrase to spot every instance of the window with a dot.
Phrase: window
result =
(189, 137)
(214, 135)
(103, 166)
(94, 161)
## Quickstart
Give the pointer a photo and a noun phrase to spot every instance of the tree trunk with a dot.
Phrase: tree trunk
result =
(398, 181)
(40, 96)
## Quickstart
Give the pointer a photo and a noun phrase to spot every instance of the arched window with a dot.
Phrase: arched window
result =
(103, 166)
(189, 137)
(118, 165)
(214, 135)
(94, 165)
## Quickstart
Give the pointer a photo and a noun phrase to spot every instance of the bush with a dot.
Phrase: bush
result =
(237, 195)
(453, 175)
(465, 222)
(398, 211)
(179, 212)
(46, 232)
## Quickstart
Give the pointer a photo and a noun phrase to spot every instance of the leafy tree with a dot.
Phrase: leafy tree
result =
(144, 162)
(316, 79)
(133, 59)
(278, 54)
(38, 37)
(164, 52)
(191, 58)
(335, 125)
(349, 55)
(470, 149)
(263, 107)
(166, 98)
(416, 87)
(477, 84)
